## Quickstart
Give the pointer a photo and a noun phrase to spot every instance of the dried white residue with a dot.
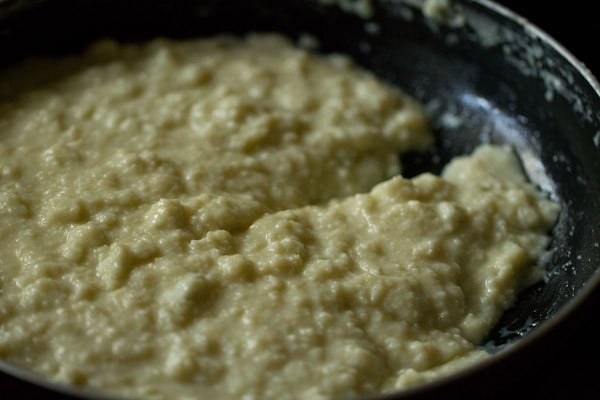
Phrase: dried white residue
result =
(406, 13)
(372, 28)
(361, 8)
(536, 171)
(553, 84)
(436, 9)
(451, 121)
(597, 139)
(308, 42)
(447, 116)
(443, 11)
(519, 331)
(522, 47)
(486, 30)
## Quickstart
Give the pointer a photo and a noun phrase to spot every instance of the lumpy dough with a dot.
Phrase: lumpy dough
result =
(224, 218)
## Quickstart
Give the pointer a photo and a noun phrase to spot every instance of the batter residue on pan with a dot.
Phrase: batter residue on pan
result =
(224, 218)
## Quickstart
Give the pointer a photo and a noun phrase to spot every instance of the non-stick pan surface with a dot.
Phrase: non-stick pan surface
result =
(485, 77)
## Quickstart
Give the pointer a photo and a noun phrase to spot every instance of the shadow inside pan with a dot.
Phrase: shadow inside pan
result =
(475, 92)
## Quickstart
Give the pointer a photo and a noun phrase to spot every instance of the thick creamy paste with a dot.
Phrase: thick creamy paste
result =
(224, 218)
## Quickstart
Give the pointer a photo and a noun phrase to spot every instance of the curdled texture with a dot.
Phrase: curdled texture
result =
(205, 219)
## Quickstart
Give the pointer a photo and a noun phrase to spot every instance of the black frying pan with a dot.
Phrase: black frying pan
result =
(508, 82)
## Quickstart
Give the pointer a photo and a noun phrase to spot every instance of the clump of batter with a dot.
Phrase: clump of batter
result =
(224, 218)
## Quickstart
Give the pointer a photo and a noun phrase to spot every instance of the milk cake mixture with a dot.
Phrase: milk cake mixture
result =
(224, 218)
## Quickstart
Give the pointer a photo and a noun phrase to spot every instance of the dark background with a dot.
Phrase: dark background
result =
(565, 363)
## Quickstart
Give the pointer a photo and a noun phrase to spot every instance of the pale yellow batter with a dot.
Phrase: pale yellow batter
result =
(223, 218)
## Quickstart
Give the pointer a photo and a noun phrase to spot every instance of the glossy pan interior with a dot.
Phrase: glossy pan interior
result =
(484, 74)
